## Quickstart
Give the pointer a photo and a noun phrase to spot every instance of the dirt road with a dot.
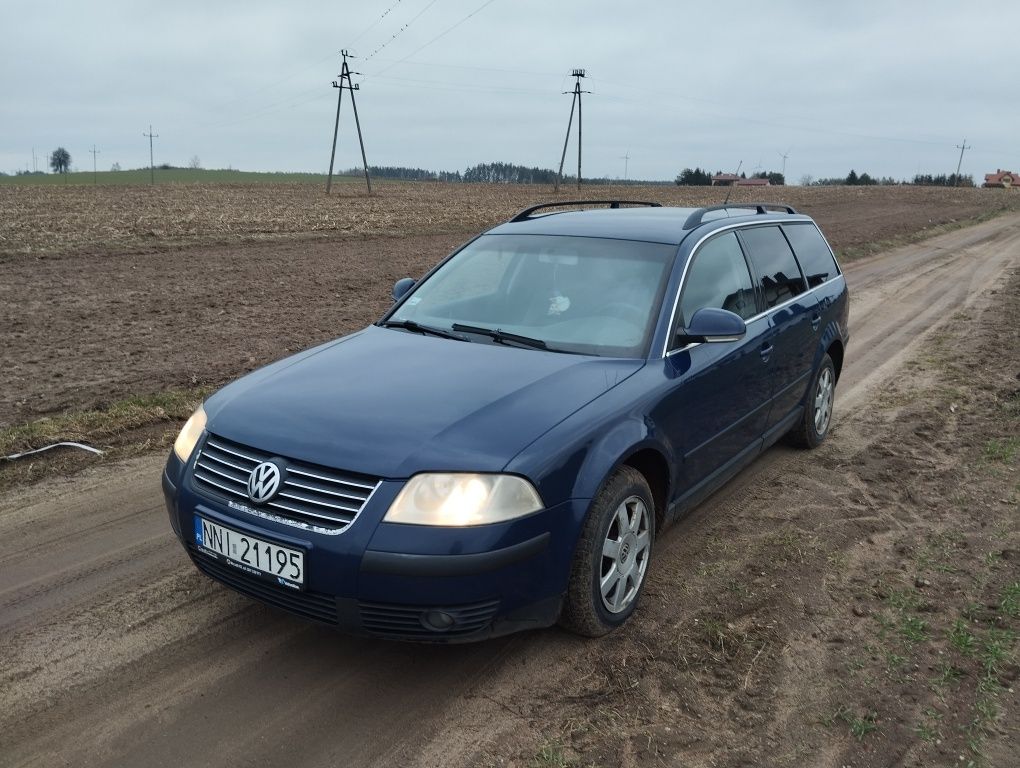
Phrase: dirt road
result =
(115, 651)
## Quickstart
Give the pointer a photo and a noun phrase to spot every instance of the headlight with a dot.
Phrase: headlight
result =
(450, 499)
(193, 429)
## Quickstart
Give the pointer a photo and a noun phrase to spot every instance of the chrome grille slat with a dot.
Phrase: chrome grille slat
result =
(256, 460)
(333, 479)
(224, 462)
(221, 473)
(303, 486)
(309, 495)
(307, 500)
(305, 512)
(217, 485)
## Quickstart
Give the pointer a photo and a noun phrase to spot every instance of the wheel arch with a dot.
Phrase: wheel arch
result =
(835, 351)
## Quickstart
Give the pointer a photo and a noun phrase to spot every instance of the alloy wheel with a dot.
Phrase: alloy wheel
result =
(625, 555)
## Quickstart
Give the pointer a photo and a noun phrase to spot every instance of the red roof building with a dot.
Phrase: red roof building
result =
(1002, 179)
(732, 180)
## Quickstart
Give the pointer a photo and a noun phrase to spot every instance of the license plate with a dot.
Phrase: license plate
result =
(254, 556)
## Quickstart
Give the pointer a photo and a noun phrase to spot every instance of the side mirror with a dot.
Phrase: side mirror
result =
(401, 287)
(712, 326)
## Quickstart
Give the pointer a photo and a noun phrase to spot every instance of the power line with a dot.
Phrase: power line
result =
(152, 172)
(375, 23)
(514, 72)
(400, 31)
(445, 32)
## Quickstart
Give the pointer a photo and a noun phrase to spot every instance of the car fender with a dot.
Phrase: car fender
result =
(596, 452)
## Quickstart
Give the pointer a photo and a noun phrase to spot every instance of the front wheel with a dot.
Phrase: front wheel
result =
(814, 425)
(612, 556)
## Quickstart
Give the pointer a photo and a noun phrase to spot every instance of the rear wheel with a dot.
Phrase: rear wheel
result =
(612, 556)
(814, 425)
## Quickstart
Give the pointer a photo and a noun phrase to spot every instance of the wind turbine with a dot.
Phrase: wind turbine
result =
(626, 159)
(784, 155)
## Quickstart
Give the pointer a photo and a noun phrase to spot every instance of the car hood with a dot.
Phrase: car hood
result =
(390, 403)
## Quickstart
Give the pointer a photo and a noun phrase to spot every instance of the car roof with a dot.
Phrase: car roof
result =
(648, 224)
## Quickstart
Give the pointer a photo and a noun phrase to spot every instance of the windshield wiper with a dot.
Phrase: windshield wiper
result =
(411, 325)
(502, 336)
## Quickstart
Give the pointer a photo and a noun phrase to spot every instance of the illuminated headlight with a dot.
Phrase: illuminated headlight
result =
(193, 429)
(456, 499)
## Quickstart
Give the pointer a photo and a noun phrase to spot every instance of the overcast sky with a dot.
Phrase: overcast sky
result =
(883, 87)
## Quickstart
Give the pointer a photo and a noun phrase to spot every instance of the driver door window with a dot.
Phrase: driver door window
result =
(718, 277)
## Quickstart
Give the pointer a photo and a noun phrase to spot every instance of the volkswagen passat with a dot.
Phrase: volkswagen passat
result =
(501, 450)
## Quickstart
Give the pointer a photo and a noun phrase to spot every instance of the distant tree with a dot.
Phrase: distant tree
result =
(60, 160)
(509, 173)
(866, 180)
(942, 180)
(694, 177)
(194, 163)
(775, 178)
(851, 178)
(115, 167)
(806, 180)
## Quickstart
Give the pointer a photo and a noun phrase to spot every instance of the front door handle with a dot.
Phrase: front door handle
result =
(816, 320)
(766, 352)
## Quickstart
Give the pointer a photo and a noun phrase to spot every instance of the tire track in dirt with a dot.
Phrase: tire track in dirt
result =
(159, 666)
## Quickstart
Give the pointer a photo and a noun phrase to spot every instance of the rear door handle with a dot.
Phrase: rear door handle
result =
(815, 322)
(766, 352)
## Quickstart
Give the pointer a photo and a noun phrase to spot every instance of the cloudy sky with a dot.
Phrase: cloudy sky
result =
(885, 87)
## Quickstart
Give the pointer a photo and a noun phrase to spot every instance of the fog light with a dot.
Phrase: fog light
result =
(438, 620)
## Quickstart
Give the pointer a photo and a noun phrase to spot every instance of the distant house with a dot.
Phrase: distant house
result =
(1002, 179)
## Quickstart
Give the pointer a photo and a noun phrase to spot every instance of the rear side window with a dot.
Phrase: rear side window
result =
(773, 260)
(718, 277)
(812, 253)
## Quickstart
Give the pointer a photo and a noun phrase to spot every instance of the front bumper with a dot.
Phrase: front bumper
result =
(401, 581)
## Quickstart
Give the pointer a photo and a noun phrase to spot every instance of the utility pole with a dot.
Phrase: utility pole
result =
(94, 151)
(344, 83)
(962, 147)
(152, 173)
(577, 74)
(626, 159)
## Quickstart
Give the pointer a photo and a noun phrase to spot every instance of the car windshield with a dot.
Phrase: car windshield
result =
(571, 294)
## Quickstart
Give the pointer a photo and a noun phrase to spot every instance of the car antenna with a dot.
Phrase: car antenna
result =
(733, 183)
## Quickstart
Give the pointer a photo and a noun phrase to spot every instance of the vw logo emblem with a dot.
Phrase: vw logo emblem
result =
(263, 482)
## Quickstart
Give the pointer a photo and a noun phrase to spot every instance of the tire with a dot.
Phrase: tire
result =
(623, 514)
(817, 419)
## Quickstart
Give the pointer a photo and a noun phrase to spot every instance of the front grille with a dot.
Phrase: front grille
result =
(308, 604)
(309, 494)
(406, 621)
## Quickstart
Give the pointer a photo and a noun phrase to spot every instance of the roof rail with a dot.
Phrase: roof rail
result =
(526, 213)
(761, 209)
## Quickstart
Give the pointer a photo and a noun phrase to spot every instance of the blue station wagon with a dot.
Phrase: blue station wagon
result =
(501, 450)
